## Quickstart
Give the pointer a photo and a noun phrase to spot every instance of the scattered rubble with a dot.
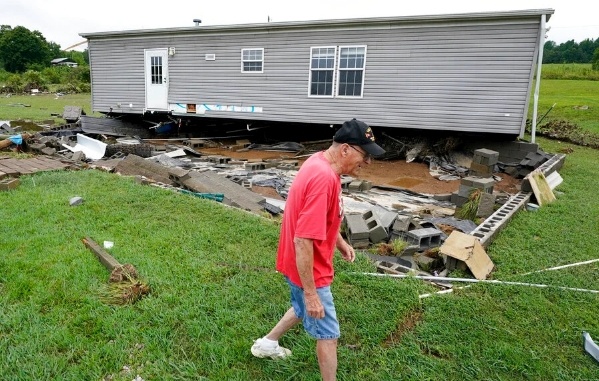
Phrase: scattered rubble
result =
(403, 230)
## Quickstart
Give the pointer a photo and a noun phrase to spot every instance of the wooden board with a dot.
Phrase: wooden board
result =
(541, 188)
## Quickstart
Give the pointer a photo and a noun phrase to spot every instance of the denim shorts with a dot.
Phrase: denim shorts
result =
(321, 329)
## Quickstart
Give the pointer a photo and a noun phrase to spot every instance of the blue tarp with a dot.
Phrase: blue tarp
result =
(17, 139)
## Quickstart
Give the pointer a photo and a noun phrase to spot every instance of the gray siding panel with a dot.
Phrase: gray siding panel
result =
(463, 75)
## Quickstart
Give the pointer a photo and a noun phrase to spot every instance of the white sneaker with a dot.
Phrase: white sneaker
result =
(262, 351)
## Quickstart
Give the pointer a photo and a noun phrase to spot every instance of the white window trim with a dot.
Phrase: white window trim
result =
(243, 61)
(334, 69)
(339, 70)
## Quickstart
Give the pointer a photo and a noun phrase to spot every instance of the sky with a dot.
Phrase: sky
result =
(61, 21)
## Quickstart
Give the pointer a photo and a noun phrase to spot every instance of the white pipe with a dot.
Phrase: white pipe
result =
(470, 280)
(563, 267)
(533, 127)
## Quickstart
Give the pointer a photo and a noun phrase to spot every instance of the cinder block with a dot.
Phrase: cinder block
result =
(481, 170)
(377, 233)
(485, 156)
(354, 186)
(254, 166)
(359, 243)
(9, 183)
(458, 200)
(365, 186)
(485, 184)
(357, 228)
(423, 238)
(486, 205)
(218, 159)
(401, 223)
(526, 146)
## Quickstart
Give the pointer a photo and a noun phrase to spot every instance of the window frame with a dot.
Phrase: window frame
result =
(337, 71)
(252, 60)
(311, 71)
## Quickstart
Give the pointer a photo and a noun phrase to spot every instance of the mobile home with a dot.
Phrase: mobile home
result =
(459, 72)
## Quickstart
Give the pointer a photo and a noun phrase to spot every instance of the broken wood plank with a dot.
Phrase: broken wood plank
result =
(468, 249)
(107, 260)
(541, 188)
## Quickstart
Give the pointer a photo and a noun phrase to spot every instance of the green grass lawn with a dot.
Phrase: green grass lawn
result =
(576, 101)
(40, 108)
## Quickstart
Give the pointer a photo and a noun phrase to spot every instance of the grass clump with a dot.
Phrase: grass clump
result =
(395, 247)
(469, 210)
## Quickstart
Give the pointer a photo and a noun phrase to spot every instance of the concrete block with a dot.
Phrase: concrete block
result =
(354, 186)
(458, 200)
(401, 223)
(481, 170)
(442, 197)
(359, 243)
(485, 156)
(486, 205)
(526, 146)
(464, 191)
(218, 159)
(377, 233)
(423, 238)
(486, 184)
(365, 186)
(254, 166)
(9, 183)
(356, 227)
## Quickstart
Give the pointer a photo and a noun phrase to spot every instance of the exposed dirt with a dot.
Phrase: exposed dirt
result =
(414, 176)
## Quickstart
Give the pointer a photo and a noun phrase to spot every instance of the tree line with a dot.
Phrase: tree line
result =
(586, 52)
(25, 63)
(25, 60)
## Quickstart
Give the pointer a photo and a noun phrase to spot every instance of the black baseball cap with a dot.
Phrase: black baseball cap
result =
(358, 133)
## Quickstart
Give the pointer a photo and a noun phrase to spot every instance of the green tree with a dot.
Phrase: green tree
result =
(595, 63)
(21, 49)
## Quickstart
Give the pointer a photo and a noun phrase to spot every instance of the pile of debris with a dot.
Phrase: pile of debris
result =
(402, 230)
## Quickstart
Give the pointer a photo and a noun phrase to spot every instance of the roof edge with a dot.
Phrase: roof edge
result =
(329, 22)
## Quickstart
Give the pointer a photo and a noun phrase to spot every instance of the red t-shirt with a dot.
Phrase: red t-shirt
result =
(313, 210)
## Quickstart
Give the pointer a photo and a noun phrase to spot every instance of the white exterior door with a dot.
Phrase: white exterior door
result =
(156, 79)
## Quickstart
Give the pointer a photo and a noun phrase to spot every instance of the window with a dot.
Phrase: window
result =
(252, 60)
(339, 75)
(322, 70)
(156, 70)
(351, 71)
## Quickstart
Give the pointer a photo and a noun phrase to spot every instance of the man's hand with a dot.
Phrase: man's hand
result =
(314, 307)
(347, 252)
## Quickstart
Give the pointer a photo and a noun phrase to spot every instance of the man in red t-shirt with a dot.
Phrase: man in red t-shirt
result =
(308, 238)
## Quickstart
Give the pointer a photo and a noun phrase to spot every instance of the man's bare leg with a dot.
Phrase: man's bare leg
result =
(288, 321)
(326, 351)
